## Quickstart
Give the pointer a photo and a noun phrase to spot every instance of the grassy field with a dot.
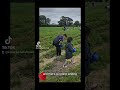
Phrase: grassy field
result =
(97, 18)
(47, 57)
(22, 67)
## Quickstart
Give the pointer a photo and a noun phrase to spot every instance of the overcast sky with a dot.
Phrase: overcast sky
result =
(55, 13)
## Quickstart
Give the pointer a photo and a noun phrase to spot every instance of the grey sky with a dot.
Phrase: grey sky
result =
(55, 13)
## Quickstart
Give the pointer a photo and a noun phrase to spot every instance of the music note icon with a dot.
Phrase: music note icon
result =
(7, 41)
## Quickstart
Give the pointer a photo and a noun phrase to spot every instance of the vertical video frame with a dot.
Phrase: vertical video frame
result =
(59, 44)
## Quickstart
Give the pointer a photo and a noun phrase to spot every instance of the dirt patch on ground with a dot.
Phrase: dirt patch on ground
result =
(59, 65)
(26, 84)
(99, 80)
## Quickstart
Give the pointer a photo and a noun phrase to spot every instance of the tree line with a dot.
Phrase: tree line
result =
(64, 21)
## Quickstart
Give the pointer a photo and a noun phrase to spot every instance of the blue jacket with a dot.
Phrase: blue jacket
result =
(57, 40)
(69, 51)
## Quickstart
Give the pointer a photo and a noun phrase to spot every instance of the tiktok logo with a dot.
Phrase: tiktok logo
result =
(8, 40)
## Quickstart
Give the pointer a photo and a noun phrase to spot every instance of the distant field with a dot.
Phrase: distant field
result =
(47, 35)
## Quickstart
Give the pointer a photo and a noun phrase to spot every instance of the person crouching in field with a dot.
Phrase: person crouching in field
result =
(56, 43)
(89, 58)
(69, 50)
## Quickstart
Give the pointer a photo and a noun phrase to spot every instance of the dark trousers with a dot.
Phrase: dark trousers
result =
(87, 67)
(58, 49)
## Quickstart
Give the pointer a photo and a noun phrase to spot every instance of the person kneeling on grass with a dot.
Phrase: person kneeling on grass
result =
(69, 50)
(57, 43)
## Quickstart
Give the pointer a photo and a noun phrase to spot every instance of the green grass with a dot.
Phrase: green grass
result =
(49, 66)
(103, 60)
(41, 61)
(22, 19)
(15, 82)
(98, 20)
(49, 54)
(47, 35)
(27, 70)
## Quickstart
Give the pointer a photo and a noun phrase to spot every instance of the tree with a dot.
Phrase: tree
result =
(77, 23)
(48, 21)
(42, 20)
(70, 21)
(65, 21)
(62, 21)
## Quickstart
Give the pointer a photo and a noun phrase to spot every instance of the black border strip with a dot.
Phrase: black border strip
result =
(111, 45)
(36, 50)
(4, 33)
(83, 44)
